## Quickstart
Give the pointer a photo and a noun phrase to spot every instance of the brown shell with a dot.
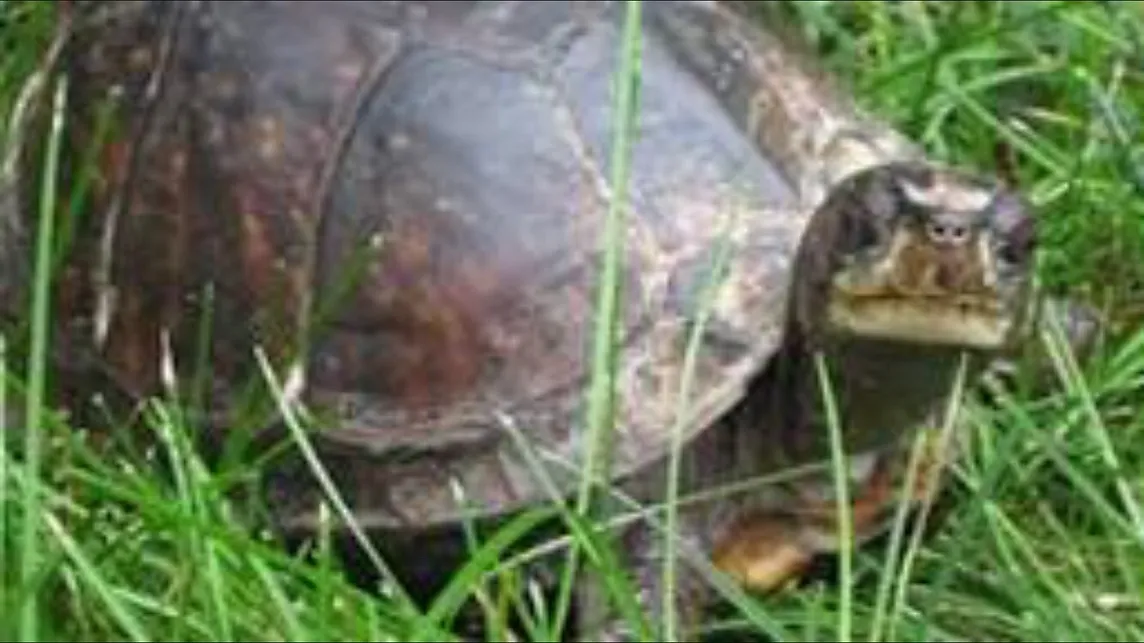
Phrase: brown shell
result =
(451, 159)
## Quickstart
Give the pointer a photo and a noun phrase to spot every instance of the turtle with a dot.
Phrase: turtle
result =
(398, 209)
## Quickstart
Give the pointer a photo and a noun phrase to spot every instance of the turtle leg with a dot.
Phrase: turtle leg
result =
(642, 553)
(762, 549)
(767, 550)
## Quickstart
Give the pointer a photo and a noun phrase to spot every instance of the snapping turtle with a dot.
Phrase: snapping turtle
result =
(402, 204)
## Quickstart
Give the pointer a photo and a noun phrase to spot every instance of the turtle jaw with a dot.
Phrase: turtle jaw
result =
(916, 291)
(921, 320)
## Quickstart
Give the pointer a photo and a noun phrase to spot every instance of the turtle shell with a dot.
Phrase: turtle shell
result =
(404, 203)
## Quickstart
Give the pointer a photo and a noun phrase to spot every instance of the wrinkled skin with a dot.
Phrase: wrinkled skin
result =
(435, 174)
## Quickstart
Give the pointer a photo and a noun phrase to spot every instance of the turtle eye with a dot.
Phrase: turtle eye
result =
(1016, 231)
(863, 233)
(878, 205)
(1018, 243)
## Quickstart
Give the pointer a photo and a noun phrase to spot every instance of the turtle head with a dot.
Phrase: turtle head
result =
(916, 253)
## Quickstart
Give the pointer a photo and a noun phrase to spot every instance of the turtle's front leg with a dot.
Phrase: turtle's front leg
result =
(641, 550)
(764, 550)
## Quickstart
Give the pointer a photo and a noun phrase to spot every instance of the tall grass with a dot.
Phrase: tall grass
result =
(601, 394)
(33, 432)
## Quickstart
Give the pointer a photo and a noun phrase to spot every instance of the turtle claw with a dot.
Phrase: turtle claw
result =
(765, 554)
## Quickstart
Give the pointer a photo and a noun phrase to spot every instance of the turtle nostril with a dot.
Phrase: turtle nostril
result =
(947, 233)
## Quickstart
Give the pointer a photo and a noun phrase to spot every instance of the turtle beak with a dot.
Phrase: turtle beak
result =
(924, 291)
(937, 279)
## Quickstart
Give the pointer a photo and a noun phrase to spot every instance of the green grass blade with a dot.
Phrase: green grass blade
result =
(601, 401)
(38, 362)
(298, 433)
(90, 573)
(1065, 362)
(601, 395)
(5, 431)
(945, 442)
(272, 583)
(841, 474)
(894, 546)
(585, 536)
(670, 618)
(450, 599)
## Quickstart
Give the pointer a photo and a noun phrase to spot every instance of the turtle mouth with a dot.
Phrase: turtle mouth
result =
(917, 291)
(928, 320)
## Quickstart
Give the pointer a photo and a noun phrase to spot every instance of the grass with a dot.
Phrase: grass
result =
(1040, 537)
